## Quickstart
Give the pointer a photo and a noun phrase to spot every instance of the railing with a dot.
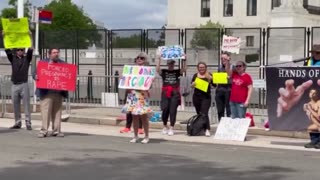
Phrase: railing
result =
(102, 91)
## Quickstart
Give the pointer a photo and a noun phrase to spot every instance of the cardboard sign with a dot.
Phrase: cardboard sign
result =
(231, 44)
(16, 33)
(137, 77)
(201, 84)
(56, 76)
(220, 78)
(171, 52)
(232, 129)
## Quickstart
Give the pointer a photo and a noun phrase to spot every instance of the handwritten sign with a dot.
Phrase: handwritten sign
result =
(220, 78)
(231, 44)
(171, 52)
(201, 84)
(16, 33)
(232, 129)
(57, 76)
(259, 83)
(137, 77)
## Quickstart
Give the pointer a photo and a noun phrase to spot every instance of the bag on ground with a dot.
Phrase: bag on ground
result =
(195, 126)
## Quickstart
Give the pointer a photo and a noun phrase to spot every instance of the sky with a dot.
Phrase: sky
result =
(119, 14)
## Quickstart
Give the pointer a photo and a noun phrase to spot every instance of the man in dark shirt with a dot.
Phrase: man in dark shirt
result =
(20, 89)
(223, 91)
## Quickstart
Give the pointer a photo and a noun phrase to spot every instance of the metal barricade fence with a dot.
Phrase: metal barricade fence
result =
(103, 91)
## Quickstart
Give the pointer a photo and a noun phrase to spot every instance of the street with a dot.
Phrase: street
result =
(85, 156)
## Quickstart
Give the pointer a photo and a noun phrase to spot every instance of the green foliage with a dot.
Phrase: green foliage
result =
(69, 23)
(207, 36)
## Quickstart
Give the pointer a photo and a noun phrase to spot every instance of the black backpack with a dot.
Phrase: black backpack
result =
(195, 126)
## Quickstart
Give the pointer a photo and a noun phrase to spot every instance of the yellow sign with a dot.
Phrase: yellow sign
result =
(201, 84)
(220, 78)
(16, 33)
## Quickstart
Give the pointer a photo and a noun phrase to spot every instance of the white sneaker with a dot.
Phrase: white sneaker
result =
(145, 141)
(170, 132)
(165, 131)
(134, 140)
(208, 133)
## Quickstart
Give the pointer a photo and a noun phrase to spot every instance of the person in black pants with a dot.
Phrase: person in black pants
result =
(202, 99)
(170, 95)
(223, 91)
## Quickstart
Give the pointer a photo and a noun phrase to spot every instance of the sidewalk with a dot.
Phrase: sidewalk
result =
(109, 116)
(180, 136)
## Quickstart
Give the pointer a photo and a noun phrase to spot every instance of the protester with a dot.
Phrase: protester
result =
(51, 102)
(137, 103)
(170, 95)
(20, 88)
(241, 89)
(222, 95)
(202, 100)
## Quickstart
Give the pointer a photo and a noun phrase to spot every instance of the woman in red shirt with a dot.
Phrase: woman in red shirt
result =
(241, 89)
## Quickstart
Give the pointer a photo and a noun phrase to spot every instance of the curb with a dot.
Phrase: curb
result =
(112, 121)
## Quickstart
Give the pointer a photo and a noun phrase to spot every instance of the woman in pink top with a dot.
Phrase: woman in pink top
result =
(241, 89)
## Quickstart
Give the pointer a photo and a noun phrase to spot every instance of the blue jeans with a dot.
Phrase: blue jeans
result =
(237, 110)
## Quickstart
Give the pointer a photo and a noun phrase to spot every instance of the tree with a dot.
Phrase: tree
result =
(207, 36)
(70, 28)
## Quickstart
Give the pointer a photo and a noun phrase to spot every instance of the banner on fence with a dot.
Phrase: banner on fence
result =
(171, 52)
(292, 95)
(231, 44)
(16, 33)
(137, 77)
(57, 76)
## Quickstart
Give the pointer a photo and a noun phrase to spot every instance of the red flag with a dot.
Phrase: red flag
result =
(45, 16)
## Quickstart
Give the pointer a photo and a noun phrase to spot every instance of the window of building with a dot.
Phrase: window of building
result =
(251, 7)
(250, 41)
(228, 8)
(205, 8)
(275, 3)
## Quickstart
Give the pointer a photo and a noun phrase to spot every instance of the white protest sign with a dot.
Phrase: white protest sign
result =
(137, 77)
(259, 83)
(232, 129)
(171, 52)
(231, 44)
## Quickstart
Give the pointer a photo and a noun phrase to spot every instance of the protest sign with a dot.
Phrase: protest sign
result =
(16, 33)
(56, 76)
(201, 84)
(171, 52)
(231, 44)
(294, 116)
(220, 78)
(137, 77)
(232, 129)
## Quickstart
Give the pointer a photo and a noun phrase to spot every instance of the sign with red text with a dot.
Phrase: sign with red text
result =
(137, 77)
(231, 44)
(56, 76)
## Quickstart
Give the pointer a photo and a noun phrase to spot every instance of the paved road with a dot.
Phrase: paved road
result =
(84, 156)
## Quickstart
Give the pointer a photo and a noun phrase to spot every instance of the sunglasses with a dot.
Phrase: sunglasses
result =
(142, 58)
(238, 66)
(20, 49)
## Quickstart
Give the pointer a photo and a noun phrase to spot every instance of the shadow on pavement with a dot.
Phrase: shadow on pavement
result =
(7, 130)
(137, 167)
(288, 143)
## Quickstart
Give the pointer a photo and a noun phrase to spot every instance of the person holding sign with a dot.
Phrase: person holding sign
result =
(137, 103)
(223, 91)
(202, 95)
(170, 95)
(20, 88)
(241, 89)
(51, 101)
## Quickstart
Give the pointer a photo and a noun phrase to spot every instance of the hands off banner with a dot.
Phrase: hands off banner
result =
(171, 52)
(293, 97)
(137, 77)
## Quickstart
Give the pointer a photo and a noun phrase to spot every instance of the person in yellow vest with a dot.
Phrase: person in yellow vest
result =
(314, 60)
